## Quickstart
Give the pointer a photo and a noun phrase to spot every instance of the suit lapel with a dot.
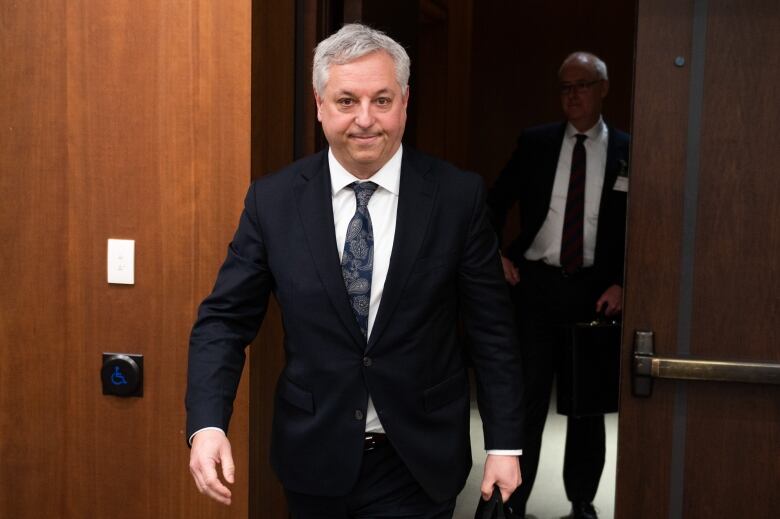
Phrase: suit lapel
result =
(315, 207)
(612, 167)
(550, 167)
(415, 200)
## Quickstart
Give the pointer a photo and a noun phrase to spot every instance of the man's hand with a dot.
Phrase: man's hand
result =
(612, 298)
(511, 274)
(209, 449)
(503, 471)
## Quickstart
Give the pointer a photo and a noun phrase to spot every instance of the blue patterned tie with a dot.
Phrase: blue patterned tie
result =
(357, 261)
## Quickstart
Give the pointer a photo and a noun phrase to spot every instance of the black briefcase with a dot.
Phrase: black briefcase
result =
(589, 369)
(494, 508)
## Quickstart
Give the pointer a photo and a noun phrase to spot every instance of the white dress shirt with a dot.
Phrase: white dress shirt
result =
(547, 243)
(383, 208)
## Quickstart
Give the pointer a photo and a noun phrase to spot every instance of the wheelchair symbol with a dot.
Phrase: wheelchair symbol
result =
(117, 377)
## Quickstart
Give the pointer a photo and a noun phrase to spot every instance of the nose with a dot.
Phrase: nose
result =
(364, 118)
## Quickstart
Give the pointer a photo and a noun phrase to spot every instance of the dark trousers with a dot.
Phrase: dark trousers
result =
(545, 302)
(385, 489)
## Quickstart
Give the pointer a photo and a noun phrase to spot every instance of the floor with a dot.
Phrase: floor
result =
(548, 498)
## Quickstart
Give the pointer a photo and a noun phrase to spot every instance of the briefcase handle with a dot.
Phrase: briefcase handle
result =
(493, 508)
(601, 319)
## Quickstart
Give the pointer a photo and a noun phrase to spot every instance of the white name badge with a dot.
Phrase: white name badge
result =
(621, 184)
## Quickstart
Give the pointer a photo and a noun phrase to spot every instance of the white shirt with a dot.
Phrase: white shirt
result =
(383, 208)
(547, 243)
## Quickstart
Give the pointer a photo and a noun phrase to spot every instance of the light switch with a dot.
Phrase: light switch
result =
(121, 262)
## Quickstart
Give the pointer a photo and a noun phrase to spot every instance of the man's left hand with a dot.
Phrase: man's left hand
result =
(611, 301)
(503, 471)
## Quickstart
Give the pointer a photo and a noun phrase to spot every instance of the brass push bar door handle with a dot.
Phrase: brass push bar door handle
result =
(647, 366)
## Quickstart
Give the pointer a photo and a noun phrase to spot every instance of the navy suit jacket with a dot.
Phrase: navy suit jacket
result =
(528, 179)
(444, 267)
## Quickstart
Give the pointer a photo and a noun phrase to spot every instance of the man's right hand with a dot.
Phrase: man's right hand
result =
(511, 274)
(502, 471)
(210, 448)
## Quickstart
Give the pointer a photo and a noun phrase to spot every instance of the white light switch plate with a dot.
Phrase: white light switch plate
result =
(121, 262)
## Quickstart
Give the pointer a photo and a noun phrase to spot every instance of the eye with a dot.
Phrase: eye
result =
(345, 102)
(383, 101)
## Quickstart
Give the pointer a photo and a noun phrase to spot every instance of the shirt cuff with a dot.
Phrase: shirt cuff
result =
(499, 452)
(205, 429)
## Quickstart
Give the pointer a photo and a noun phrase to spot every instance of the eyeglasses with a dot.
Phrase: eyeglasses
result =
(579, 87)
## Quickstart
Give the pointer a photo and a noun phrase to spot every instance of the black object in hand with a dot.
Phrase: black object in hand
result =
(494, 508)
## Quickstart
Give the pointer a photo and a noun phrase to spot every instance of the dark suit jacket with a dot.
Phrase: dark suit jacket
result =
(528, 179)
(444, 264)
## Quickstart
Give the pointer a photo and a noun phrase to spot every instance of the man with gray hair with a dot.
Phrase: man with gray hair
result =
(570, 182)
(373, 252)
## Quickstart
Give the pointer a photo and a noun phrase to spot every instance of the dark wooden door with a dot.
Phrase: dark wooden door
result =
(702, 270)
(119, 119)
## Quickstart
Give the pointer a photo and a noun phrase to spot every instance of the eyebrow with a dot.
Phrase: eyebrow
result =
(574, 82)
(384, 91)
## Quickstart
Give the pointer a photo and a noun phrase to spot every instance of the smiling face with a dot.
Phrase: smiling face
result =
(582, 106)
(363, 112)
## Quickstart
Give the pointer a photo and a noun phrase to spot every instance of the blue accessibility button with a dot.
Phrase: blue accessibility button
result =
(122, 374)
(117, 377)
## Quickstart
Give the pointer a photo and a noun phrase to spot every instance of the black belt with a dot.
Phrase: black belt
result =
(372, 441)
(558, 271)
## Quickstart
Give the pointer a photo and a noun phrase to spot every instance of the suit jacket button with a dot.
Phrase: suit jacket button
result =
(367, 362)
(358, 414)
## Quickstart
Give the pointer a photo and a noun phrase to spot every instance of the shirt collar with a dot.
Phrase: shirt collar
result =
(388, 177)
(593, 133)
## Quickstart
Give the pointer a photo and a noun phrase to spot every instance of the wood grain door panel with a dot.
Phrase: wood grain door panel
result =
(702, 268)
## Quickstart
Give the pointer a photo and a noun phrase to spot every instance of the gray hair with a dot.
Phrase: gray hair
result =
(586, 58)
(354, 41)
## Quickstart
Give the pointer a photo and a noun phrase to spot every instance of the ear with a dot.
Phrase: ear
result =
(406, 96)
(604, 88)
(318, 103)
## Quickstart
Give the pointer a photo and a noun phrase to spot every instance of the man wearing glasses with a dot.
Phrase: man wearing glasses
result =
(570, 181)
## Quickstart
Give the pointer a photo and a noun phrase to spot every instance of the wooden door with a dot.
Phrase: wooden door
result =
(702, 265)
(120, 119)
